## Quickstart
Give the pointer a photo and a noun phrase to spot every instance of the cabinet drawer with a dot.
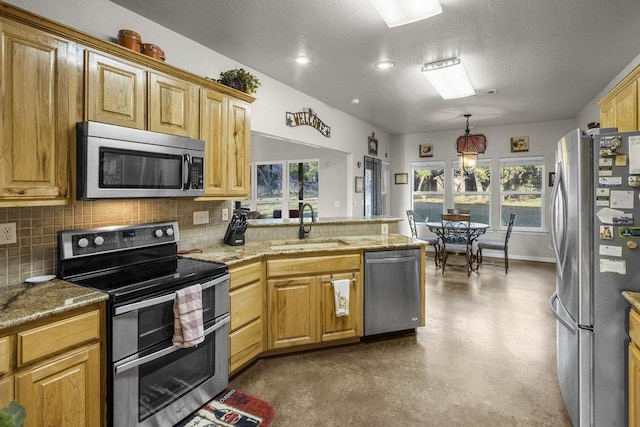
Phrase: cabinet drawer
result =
(246, 344)
(52, 338)
(312, 265)
(5, 355)
(245, 305)
(634, 327)
(244, 275)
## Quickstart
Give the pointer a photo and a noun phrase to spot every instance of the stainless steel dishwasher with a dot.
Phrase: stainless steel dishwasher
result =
(391, 291)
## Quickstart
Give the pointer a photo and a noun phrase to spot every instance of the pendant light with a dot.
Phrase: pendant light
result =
(468, 146)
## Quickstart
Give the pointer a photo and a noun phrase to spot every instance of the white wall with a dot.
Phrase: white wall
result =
(103, 19)
(542, 142)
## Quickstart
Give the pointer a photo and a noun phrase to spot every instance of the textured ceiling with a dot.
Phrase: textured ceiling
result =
(545, 59)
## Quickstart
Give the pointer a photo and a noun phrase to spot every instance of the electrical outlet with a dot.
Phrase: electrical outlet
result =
(201, 217)
(384, 229)
(336, 203)
(8, 233)
(225, 214)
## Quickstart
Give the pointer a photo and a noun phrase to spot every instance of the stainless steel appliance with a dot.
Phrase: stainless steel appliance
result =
(119, 162)
(151, 382)
(391, 291)
(595, 214)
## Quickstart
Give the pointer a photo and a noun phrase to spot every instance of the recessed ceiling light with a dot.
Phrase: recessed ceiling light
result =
(383, 65)
(301, 59)
(355, 101)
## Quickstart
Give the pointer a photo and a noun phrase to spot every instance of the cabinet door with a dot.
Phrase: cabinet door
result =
(37, 83)
(115, 91)
(333, 327)
(173, 106)
(64, 392)
(626, 108)
(213, 130)
(292, 312)
(634, 385)
(608, 114)
(239, 148)
(6, 391)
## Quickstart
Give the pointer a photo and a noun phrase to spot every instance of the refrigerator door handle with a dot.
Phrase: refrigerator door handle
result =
(558, 316)
(560, 258)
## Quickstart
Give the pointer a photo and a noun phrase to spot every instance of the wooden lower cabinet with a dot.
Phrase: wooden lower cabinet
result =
(292, 311)
(634, 385)
(247, 308)
(55, 369)
(63, 392)
(301, 308)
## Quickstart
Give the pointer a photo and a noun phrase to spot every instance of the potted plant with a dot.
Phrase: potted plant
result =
(12, 415)
(240, 79)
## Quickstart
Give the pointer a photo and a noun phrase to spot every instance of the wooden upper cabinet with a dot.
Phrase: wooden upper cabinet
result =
(239, 148)
(225, 126)
(115, 91)
(38, 88)
(620, 107)
(173, 106)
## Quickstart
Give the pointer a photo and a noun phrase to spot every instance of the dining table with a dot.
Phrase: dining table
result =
(475, 230)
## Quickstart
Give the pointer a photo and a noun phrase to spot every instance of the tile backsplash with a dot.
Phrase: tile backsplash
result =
(34, 252)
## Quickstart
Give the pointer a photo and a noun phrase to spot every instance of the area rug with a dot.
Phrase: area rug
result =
(231, 408)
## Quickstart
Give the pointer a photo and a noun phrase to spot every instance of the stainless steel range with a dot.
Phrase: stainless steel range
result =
(151, 382)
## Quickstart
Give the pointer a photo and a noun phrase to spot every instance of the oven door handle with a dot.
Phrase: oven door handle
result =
(164, 298)
(166, 351)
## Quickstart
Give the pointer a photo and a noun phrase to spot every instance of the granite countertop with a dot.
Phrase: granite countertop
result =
(633, 298)
(324, 220)
(24, 302)
(254, 250)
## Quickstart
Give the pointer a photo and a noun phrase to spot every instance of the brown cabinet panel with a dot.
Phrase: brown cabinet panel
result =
(115, 91)
(333, 327)
(63, 392)
(6, 391)
(626, 108)
(38, 86)
(213, 130)
(246, 344)
(634, 385)
(173, 106)
(246, 304)
(239, 149)
(292, 312)
(312, 265)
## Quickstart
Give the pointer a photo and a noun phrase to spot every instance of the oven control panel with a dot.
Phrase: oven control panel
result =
(77, 243)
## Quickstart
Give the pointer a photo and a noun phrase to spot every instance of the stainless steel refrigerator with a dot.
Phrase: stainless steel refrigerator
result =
(595, 227)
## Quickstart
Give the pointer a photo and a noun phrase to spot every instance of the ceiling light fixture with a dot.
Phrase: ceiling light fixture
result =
(449, 78)
(383, 65)
(301, 59)
(468, 146)
(401, 12)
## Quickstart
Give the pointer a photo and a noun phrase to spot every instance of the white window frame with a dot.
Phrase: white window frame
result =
(434, 164)
(524, 161)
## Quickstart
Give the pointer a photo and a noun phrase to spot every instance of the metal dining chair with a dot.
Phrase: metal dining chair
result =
(433, 241)
(456, 239)
(498, 245)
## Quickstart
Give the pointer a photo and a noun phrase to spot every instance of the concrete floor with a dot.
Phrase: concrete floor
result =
(486, 357)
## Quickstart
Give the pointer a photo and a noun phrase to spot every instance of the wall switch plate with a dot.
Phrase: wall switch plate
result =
(225, 214)
(384, 229)
(201, 217)
(8, 233)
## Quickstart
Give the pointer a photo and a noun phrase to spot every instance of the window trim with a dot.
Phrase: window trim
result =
(432, 164)
(525, 161)
(484, 162)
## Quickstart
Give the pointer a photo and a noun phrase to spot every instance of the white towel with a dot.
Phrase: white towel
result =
(341, 296)
(188, 328)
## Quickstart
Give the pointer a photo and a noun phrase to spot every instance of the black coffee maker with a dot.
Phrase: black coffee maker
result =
(236, 230)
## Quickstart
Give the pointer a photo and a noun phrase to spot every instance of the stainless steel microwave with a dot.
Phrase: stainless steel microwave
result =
(115, 162)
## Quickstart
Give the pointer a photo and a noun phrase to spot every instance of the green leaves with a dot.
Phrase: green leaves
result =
(12, 415)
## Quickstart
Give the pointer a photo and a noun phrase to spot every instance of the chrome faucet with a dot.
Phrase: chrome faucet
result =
(303, 231)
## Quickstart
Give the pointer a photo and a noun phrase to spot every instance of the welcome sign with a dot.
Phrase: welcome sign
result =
(307, 117)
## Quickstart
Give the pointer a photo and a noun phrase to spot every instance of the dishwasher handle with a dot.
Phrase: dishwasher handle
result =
(390, 260)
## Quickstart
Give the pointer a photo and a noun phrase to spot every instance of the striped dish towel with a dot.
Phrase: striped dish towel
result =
(188, 330)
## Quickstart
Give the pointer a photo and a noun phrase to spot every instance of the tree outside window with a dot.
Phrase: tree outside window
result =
(472, 191)
(428, 180)
(522, 190)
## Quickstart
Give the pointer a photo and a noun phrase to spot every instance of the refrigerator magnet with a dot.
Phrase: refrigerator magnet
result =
(609, 145)
(634, 155)
(605, 232)
(613, 266)
(621, 199)
(609, 181)
(621, 160)
(629, 231)
(610, 250)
